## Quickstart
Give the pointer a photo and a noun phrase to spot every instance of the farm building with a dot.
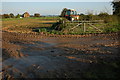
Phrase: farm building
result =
(26, 14)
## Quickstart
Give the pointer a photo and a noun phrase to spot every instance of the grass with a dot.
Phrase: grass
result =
(110, 24)
(27, 24)
(48, 25)
(112, 28)
(56, 17)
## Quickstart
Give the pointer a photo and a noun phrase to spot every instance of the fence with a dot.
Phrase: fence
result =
(84, 23)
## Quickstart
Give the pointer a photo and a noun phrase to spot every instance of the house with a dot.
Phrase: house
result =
(26, 14)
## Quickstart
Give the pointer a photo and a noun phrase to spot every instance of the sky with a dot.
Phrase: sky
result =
(55, 8)
(56, 0)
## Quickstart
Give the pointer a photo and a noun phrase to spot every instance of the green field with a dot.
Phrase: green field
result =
(48, 25)
(26, 25)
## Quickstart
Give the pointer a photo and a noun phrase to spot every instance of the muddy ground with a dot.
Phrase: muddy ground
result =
(28, 55)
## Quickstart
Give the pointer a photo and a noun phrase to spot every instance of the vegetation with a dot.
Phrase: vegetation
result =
(64, 26)
(51, 25)
(12, 15)
(63, 12)
(5, 16)
(103, 14)
(27, 25)
(116, 7)
(110, 23)
(18, 16)
(113, 28)
(36, 15)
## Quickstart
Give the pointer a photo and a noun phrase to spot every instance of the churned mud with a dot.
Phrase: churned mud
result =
(39, 56)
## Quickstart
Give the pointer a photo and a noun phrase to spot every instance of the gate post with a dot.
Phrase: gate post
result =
(84, 27)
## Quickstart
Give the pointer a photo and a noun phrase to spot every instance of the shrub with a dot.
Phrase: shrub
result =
(82, 17)
(6, 16)
(48, 32)
(60, 25)
(18, 16)
(63, 12)
(89, 17)
(43, 30)
(114, 28)
(57, 32)
(11, 15)
(103, 14)
(53, 32)
(40, 30)
(86, 17)
(60, 33)
(36, 15)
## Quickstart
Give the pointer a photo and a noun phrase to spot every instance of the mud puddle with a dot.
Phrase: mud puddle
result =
(39, 44)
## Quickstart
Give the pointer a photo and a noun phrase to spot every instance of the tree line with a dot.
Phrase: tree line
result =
(115, 4)
(11, 15)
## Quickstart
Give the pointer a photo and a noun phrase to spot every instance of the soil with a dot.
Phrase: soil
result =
(27, 55)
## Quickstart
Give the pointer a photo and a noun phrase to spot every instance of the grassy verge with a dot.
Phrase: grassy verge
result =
(112, 28)
(62, 28)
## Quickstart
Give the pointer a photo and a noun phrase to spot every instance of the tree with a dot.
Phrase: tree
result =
(116, 7)
(103, 14)
(63, 12)
(6, 16)
(36, 15)
(11, 15)
(81, 14)
(0, 16)
(18, 16)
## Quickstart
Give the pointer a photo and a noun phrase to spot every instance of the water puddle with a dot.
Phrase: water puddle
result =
(38, 44)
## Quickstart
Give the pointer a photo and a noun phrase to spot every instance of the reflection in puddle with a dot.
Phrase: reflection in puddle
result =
(39, 44)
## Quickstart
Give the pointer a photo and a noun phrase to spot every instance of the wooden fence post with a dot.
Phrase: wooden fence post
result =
(84, 27)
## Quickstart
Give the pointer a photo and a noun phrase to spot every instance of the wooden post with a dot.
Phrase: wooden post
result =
(84, 27)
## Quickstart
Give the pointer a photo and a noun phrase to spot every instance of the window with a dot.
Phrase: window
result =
(72, 12)
(68, 12)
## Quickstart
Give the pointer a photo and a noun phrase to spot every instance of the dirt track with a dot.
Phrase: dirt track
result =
(39, 56)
